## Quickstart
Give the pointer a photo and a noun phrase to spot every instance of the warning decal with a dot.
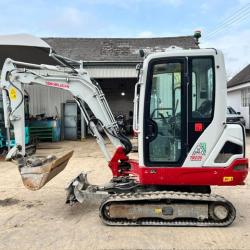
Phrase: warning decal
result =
(12, 93)
(199, 152)
(58, 85)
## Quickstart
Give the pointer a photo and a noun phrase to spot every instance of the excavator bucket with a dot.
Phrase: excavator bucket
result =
(36, 177)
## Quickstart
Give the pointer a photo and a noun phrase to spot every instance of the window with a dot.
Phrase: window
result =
(245, 97)
(229, 149)
(163, 83)
(202, 87)
(165, 112)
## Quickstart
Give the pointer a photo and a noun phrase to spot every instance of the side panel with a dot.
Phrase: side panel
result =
(233, 134)
(234, 174)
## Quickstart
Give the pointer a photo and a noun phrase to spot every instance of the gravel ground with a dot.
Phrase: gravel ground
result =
(42, 220)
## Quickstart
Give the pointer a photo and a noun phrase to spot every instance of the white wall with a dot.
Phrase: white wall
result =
(245, 113)
(234, 99)
(46, 100)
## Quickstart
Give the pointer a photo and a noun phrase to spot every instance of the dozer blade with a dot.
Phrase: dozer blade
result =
(36, 177)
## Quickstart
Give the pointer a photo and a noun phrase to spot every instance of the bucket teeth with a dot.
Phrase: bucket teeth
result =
(38, 172)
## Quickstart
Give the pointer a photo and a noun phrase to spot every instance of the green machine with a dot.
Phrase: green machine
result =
(4, 143)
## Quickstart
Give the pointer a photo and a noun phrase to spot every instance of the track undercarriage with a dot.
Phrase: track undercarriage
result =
(129, 204)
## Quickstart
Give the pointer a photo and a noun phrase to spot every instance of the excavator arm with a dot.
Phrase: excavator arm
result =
(15, 75)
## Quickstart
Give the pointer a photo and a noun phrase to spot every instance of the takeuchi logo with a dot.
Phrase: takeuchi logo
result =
(58, 85)
(199, 152)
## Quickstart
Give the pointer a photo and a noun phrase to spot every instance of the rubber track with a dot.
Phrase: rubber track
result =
(150, 197)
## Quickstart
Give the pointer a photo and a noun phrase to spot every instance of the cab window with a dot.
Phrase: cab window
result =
(202, 87)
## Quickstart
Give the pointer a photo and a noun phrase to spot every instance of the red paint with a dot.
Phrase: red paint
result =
(135, 134)
(58, 85)
(190, 176)
(118, 156)
(195, 157)
(198, 127)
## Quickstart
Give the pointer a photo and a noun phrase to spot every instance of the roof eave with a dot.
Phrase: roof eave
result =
(111, 63)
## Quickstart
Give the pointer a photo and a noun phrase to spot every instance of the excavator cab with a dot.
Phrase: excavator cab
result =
(180, 118)
(179, 95)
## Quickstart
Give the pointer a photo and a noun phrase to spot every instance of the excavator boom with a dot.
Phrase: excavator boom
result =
(36, 172)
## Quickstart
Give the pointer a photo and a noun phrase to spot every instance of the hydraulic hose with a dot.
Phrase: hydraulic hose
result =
(120, 136)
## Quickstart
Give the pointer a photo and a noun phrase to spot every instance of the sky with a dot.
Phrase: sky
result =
(225, 24)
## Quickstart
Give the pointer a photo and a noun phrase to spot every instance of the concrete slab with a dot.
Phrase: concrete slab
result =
(41, 219)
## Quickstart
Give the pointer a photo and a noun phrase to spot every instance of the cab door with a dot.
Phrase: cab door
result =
(165, 113)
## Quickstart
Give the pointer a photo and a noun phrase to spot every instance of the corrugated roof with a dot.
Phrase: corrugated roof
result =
(114, 49)
(242, 77)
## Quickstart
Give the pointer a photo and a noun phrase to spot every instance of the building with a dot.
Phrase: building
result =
(238, 92)
(110, 61)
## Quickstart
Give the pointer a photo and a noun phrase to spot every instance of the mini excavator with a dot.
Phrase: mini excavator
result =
(185, 145)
